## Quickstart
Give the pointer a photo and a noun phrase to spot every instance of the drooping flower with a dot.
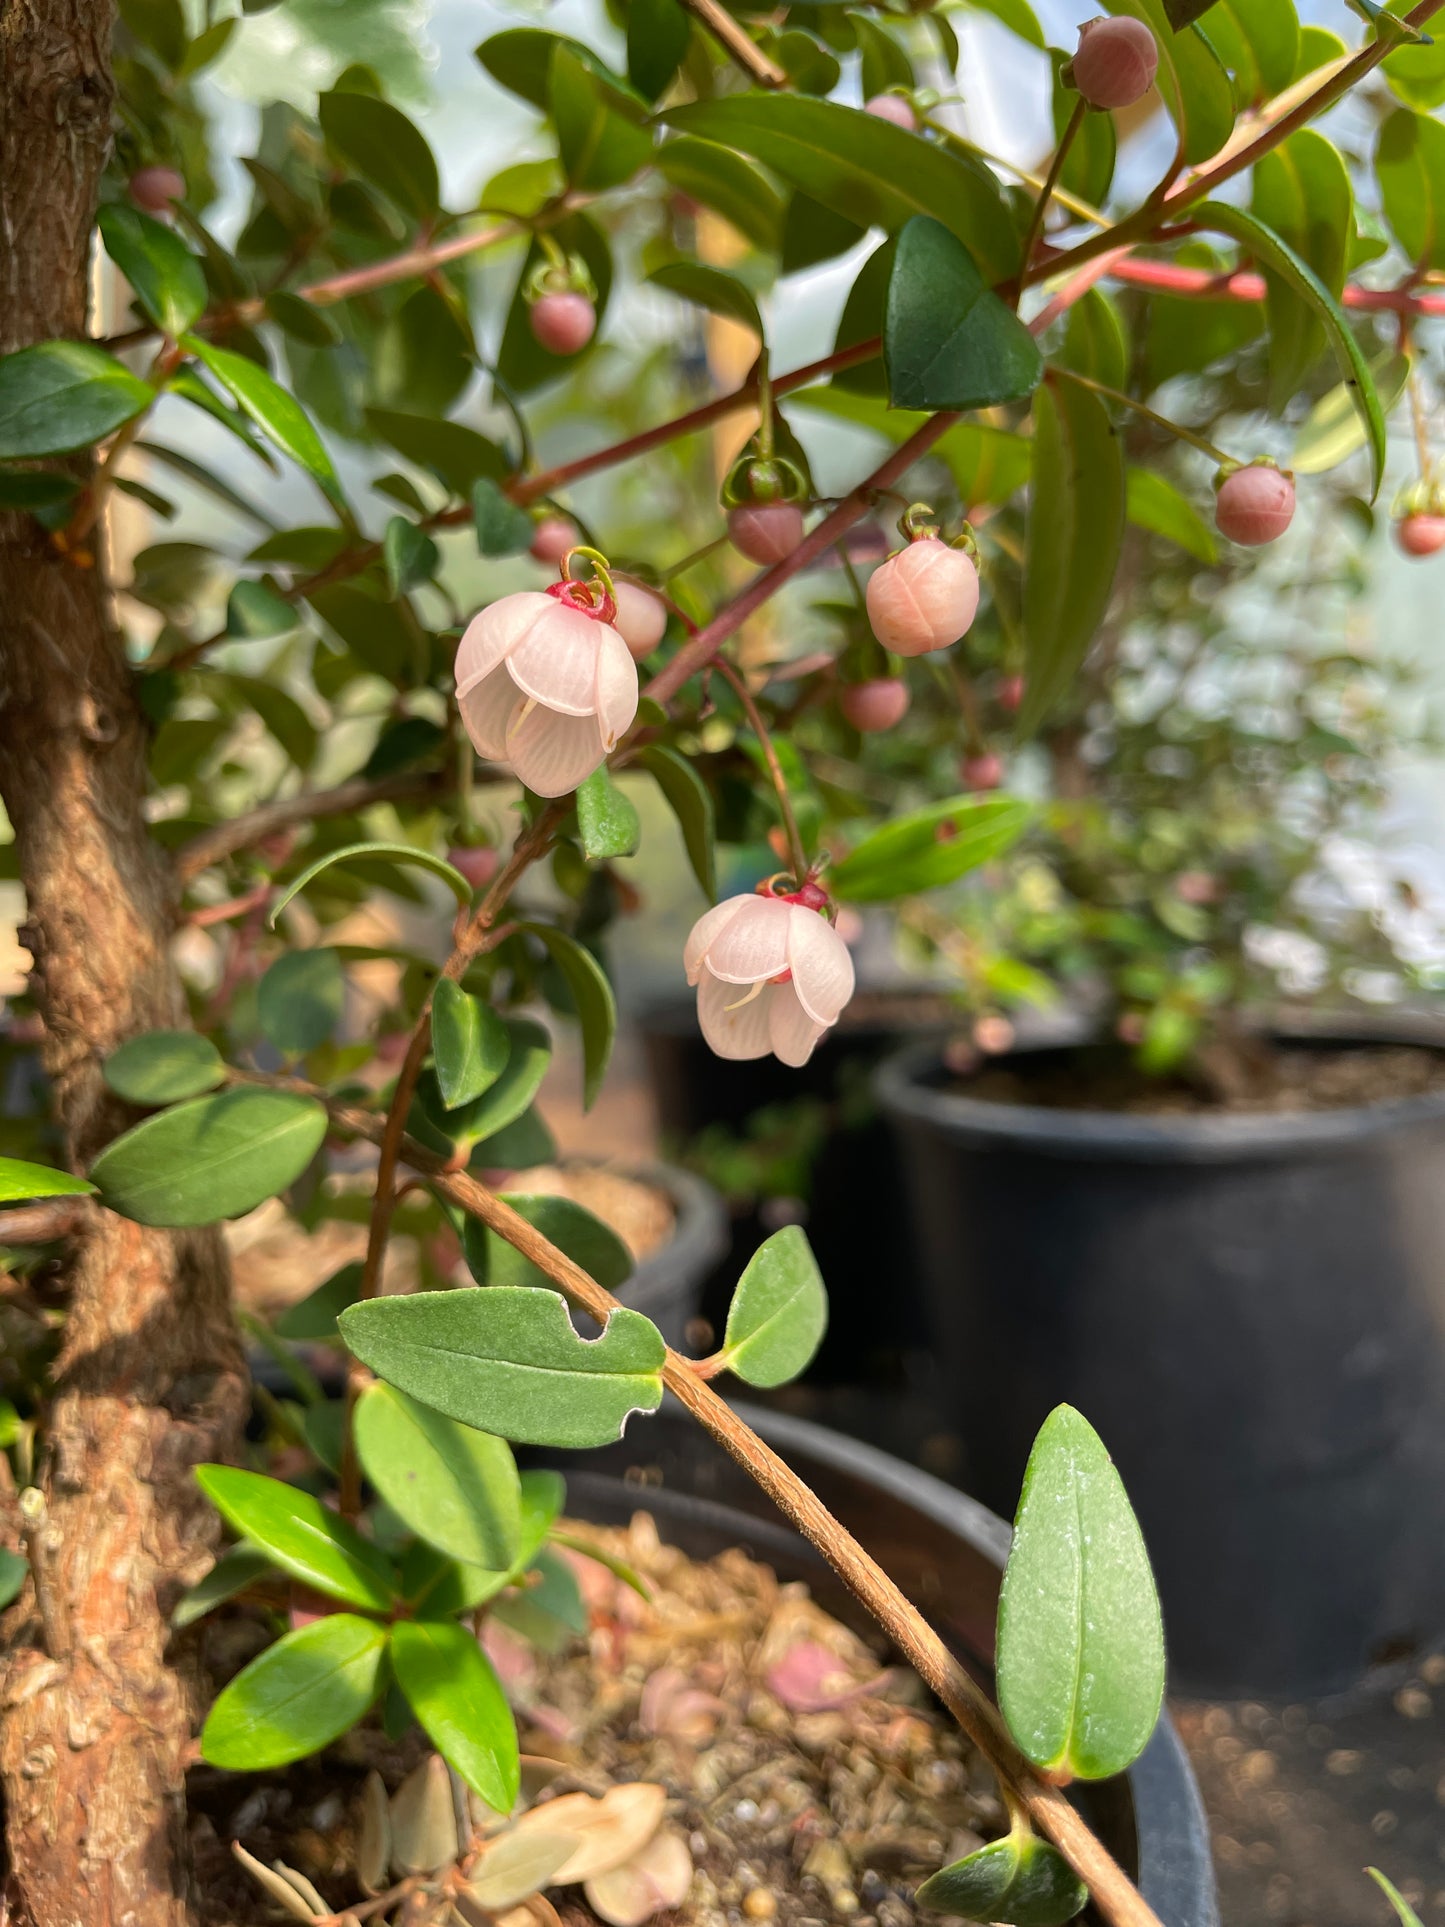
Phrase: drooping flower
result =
(923, 598)
(772, 975)
(545, 685)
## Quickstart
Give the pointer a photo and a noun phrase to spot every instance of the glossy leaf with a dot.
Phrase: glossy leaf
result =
(299, 1534)
(728, 184)
(1416, 74)
(691, 803)
(454, 1486)
(1075, 532)
(607, 820)
(1019, 1879)
(279, 416)
(658, 32)
(1096, 342)
(393, 853)
(520, 59)
(314, 1316)
(1302, 191)
(470, 1043)
(502, 528)
(509, 1360)
(864, 168)
(36, 488)
(63, 395)
(1080, 1643)
(1196, 90)
(19, 1180)
(599, 135)
(948, 340)
(710, 288)
(592, 996)
(1153, 503)
(300, 1695)
(927, 848)
(164, 1066)
(213, 1158)
(437, 1586)
(383, 146)
(300, 999)
(450, 1686)
(578, 1232)
(168, 280)
(409, 553)
(778, 1313)
(1333, 429)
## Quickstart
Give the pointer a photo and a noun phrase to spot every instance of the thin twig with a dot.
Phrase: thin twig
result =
(241, 832)
(737, 42)
(760, 729)
(1046, 192)
(42, 1221)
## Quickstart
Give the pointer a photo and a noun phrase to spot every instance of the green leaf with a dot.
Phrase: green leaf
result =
(438, 1586)
(168, 280)
(779, 1312)
(300, 321)
(502, 528)
(658, 32)
(710, 288)
(1416, 74)
(19, 1180)
(1019, 1879)
(928, 848)
(454, 1486)
(1333, 430)
(864, 168)
(163, 1067)
(529, 1052)
(13, 1573)
(393, 853)
(300, 1695)
(599, 136)
(64, 395)
(1155, 504)
(521, 60)
(1404, 1911)
(469, 1043)
(1274, 257)
(450, 1686)
(988, 464)
(1075, 532)
(1302, 191)
(1080, 1643)
(36, 488)
(729, 185)
(159, 25)
(1410, 167)
(548, 1611)
(377, 633)
(519, 1146)
(1018, 17)
(591, 994)
(509, 1360)
(1259, 42)
(278, 415)
(1096, 342)
(585, 1239)
(255, 612)
(215, 1157)
(382, 145)
(1196, 90)
(948, 341)
(425, 354)
(457, 456)
(606, 819)
(300, 999)
(691, 803)
(882, 62)
(303, 1538)
(237, 1569)
(409, 553)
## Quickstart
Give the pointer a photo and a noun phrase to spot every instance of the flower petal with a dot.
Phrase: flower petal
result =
(791, 1031)
(740, 1031)
(553, 753)
(707, 928)
(617, 693)
(754, 943)
(556, 660)
(822, 969)
(487, 709)
(491, 636)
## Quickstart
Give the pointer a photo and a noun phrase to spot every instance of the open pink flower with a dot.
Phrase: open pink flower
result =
(545, 686)
(772, 974)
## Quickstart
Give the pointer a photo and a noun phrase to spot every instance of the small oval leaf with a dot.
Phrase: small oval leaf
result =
(470, 1044)
(779, 1311)
(455, 1487)
(302, 1693)
(928, 848)
(216, 1157)
(301, 1536)
(164, 1066)
(20, 1180)
(300, 998)
(450, 1686)
(587, 1241)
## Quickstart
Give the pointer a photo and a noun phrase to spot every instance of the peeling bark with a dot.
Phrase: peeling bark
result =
(94, 1740)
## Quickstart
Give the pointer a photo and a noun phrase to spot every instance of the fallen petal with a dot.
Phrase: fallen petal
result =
(653, 1882)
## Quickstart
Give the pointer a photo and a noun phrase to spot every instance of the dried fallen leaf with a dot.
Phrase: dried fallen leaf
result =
(672, 1704)
(280, 1887)
(652, 1882)
(373, 1835)
(519, 1864)
(536, 1912)
(810, 1679)
(423, 1819)
(609, 1831)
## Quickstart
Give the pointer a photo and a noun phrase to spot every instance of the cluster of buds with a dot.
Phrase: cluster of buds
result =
(771, 972)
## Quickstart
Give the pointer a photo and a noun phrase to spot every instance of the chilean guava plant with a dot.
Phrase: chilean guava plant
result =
(510, 626)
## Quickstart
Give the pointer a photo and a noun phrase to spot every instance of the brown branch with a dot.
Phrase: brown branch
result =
(42, 1221)
(241, 832)
(737, 42)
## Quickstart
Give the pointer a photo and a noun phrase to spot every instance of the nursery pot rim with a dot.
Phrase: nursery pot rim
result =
(907, 1088)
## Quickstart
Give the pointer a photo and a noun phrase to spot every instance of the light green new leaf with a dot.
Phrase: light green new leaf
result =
(779, 1311)
(509, 1360)
(574, 1229)
(691, 803)
(454, 1486)
(988, 464)
(384, 147)
(1196, 90)
(710, 288)
(1410, 167)
(19, 1180)
(168, 280)
(299, 1534)
(948, 340)
(437, 1586)
(63, 395)
(213, 1158)
(606, 819)
(1080, 1642)
(470, 1044)
(1302, 191)
(1333, 429)
(928, 848)
(393, 853)
(300, 1695)
(164, 1066)
(300, 998)
(1096, 342)
(1019, 1879)
(278, 415)
(1075, 533)
(1153, 503)
(450, 1686)
(591, 994)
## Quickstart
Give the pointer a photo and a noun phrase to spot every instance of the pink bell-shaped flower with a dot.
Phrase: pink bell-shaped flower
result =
(772, 974)
(545, 685)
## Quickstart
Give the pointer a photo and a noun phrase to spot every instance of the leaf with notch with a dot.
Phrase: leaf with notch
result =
(302, 1693)
(450, 1686)
(454, 1486)
(948, 340)
(299, 1534)
(779, 1311)
(470, 1044)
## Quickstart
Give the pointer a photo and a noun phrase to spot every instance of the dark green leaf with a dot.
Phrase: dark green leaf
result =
(296, 318)
(520, 59)
(314, 1316)
(585, 1239)
(450, 1686)
(1155, 504)
(159, 25)
(215, 1157)
(607, 820)
(63, 395)
(658, 32)
(814, 233)
(1410, 167)
(393, 852)
(509, 1360)
(1020, 1879)
(303, 1538)
(278, 415)
(384, 147)
(599, 136)
(502, 528)
(712, 289)
(19, 1180)
(234, 1572)
(529, 1052)
(256, 612)
(591, 994)
(164, 1066)
(810, 68)
(725, 182)
(453, 1486)
(1080, 1643)
(779, 1311)
(1095, 341)
(518, 1146)
(1259, 41)
(302, 1693)
(35, 488)
(928, 848)
(167, 278)
(425, 355)
(377, 633)
(300, 999)
(948, 340)
(457, 456)
(409, 553)
(883, 63)
(470, 1044)
(691, 803)
(548, 1609)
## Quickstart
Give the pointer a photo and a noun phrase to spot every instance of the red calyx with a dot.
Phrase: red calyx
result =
(581, 595)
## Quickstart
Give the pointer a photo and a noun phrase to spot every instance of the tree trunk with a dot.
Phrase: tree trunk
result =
(95, 1725)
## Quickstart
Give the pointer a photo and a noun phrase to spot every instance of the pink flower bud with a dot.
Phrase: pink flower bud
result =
(874, 706)
(772, 976)
(545, 687)
(154, 188)
(1196, 886)
(1116, 62)
(766, 532)
(562, 323)
(892, 107)
(641, 616)
(1421, 534)
(477, 863)
(553, 536)
(1010, 693)
(982, 772)
(924, 598)
(1254, 505)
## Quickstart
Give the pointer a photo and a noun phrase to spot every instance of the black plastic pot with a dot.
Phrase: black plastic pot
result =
(945, 1551)
(1250, 1309)
(668, 1286)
